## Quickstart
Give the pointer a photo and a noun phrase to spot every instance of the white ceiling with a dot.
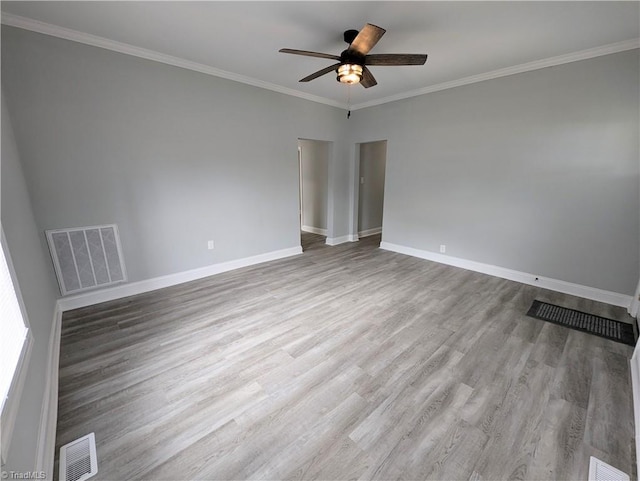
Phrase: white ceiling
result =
(240, 40)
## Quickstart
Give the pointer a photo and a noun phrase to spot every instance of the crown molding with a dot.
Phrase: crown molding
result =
(525, 67)
(101, 42)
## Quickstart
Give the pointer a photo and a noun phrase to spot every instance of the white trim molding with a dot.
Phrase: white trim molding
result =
(334, 241)
(314, 230)
(504, 72)
(96, 41)
(133, 288)
(49, 412)
(586, 292)
(10, 411)
(635, 389)
(634, 308)
(368, 232)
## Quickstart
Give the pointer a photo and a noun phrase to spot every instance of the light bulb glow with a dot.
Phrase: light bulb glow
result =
(349, 73)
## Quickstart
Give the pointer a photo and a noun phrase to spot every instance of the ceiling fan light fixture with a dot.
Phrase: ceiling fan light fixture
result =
(349, 73)
(352, 63)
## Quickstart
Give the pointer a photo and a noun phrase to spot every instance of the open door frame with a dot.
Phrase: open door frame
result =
(355, 189)
(634, 307)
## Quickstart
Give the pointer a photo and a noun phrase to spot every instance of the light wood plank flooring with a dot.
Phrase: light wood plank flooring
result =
(345, 362)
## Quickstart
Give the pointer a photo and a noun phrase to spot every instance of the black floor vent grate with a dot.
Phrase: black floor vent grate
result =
(582, 321)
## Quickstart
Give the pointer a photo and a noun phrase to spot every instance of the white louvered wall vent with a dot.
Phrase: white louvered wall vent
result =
(601, 471)
(86, 257)
(78, 459)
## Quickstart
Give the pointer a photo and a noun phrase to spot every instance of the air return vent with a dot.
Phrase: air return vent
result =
(601, 471)
(86, 257)
(78, 460)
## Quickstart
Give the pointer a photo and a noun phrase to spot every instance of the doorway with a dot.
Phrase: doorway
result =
(313, 160)
(371, 167)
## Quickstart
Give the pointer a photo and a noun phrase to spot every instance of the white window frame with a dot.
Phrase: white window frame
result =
(10, 407)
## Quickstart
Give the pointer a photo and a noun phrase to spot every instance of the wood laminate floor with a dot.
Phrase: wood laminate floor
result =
(345, 362)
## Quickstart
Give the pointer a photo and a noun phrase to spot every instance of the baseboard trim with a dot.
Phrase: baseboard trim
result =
(314, 230)
(635, 390)
(334, 241)
(586, 292)
(49, 413)
(133, 288)
(368, 232)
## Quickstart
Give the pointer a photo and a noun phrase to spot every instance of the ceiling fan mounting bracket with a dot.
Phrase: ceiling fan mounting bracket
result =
(350, 35)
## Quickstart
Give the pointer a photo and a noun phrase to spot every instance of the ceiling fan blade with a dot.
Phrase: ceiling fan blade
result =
(396, 59)
(320, 73)
(366, 39)
(307, 53)
(368, 80)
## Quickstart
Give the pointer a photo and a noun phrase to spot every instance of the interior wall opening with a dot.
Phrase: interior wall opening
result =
(370, 168)
(313, 161)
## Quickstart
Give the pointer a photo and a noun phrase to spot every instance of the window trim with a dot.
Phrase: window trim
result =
(10, 408)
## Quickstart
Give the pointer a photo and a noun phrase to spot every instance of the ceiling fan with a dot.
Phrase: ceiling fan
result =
(352, 62)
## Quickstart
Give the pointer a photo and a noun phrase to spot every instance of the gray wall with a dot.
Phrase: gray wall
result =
(172, 156)
(373, 158)
(39, 292)
(314, 160)
(536, 172)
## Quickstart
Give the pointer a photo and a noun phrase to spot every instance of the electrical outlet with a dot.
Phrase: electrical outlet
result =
(443, 248)
(362, 180)
(210, 245)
